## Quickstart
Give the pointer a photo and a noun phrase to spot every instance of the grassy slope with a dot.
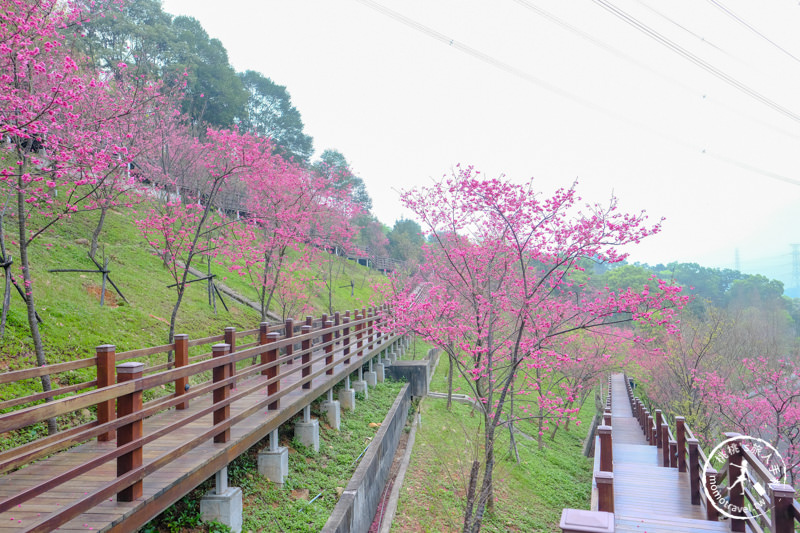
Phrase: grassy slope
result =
(74, 322)
(529, 496)
(289, 509)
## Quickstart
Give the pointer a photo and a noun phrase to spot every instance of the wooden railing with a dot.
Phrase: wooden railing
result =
(604, 460)
(775, 510)
(271, 355)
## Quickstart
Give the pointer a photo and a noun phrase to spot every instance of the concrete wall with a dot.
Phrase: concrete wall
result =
(356, 507)
(417, 373)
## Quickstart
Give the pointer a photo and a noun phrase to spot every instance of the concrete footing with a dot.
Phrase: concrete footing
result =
(361, 386)
(380, 375)
(225, 508)
(371, 378)
(347, 398)
(307, 434)
(333, 413)
(274, 465)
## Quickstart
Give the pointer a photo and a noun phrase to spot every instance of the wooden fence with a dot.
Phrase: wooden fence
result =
(276, 351)
(775, 510)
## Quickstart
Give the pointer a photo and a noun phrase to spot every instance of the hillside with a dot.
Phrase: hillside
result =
(73, 322)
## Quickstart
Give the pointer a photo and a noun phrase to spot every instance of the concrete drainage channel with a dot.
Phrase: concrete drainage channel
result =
(369, 501)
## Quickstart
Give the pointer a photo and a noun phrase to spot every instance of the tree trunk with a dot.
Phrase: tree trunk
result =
(52, 427)
(540, 432)
(450, 382)
(7, 291)
(473, 482)
(174, 317)
(486, 498)
(97, 230)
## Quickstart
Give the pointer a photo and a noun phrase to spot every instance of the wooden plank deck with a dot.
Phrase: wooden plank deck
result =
(647, 497)
(171, 482)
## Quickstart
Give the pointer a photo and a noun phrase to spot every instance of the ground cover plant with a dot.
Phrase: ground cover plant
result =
(317, 476)
(530, 495)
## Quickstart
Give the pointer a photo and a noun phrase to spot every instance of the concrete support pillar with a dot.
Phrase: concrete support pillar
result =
(347, 398)
(307, 433)
(361, 386)
(333, 413)
(273, 462)
(223, 504)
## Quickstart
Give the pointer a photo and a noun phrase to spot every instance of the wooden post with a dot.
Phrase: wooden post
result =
(263, 331)
(673, 453)
(270, 356)
(605, 491)
(221, 373)
(607, 418)
(659, 421)
(359, 334)
(306, 358)
(326, 339)
(642, 416)
(230, 340)
(309, 320)
(680, 429)
(106, 359)
(126, 405)
(346, 339)
(289, 334)
(181, 359)
(337, 319)
(649, 431)
(606, 452)
(370, 331)
(694, 470)
(735, 493)
(782, 497)
(663, 431)
(711, 481)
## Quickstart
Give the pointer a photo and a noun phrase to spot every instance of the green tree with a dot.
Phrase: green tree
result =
(332, 164)
(214, 92)
(176, 50)
(406, 240)
(270, 113)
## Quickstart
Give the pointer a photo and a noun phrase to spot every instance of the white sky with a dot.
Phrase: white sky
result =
(404, 107)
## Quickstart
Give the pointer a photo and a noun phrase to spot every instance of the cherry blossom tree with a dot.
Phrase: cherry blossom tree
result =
(763, 401)
(190, 224)
(497, 295)
(292, 217)
(51, 147)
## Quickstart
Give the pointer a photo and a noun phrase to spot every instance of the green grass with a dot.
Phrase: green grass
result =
(417, 350)
(529, 496)
(268, 508)
(74, 323)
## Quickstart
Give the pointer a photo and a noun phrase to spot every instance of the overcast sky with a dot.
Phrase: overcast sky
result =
(703, 130)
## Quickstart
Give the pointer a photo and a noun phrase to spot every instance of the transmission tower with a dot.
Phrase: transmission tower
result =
(737, 263)
(796, 265)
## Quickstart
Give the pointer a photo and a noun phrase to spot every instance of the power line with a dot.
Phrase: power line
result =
(744, 23)
(561, 92)
(684, 28)
(622, 55)
(686, 54)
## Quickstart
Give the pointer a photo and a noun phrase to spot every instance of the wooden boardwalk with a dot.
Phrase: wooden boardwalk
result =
(647, 497)
(170, 482)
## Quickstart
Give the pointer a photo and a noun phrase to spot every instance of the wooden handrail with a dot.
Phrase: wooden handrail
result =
(317, 347)
(683, 451)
